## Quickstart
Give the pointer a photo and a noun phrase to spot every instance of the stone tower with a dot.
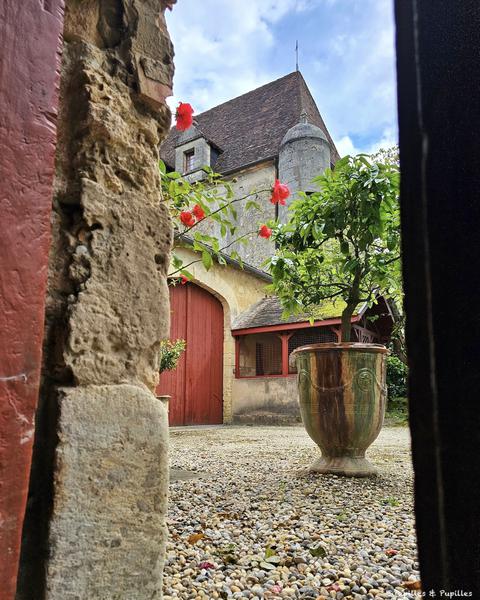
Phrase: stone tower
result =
(304, 154)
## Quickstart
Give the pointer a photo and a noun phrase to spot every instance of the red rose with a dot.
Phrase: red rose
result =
(198, 212)
(265, 232)
(183, 280)
(187, 218)
(184, 116)
(280, 193)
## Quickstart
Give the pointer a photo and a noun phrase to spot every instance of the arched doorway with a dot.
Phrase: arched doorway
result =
(196, 385)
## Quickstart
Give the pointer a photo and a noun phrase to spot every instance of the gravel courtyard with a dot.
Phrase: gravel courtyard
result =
(245, 521)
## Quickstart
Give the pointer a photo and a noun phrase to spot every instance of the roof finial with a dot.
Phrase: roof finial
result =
(303, 117)
(296, 54)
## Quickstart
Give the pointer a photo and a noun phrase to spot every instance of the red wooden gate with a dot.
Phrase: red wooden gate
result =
(196, 385)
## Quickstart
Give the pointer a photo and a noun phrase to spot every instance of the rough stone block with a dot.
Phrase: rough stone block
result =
(107, 533)
(118, 319)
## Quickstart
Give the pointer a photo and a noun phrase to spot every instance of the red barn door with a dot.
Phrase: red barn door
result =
(196, 385)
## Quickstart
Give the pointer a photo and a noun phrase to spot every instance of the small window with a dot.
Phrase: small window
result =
(189, 160)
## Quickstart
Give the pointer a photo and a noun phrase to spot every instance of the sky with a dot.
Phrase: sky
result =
(224, 48)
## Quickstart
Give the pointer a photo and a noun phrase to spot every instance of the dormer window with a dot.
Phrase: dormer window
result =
(188, 160)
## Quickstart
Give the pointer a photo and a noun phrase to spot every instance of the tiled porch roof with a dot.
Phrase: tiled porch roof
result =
(268, 312)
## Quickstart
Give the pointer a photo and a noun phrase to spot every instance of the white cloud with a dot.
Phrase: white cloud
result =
(387, 139)
(354, 78)
(222, 48)
(345, 146)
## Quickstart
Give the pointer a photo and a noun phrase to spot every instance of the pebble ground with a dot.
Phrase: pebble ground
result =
(247, 522)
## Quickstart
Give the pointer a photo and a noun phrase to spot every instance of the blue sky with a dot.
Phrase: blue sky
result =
(227, 47)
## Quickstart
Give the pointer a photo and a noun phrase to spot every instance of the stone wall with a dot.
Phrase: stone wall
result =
(257, 178)
(100, 472)
(265, 400)
(237, 290)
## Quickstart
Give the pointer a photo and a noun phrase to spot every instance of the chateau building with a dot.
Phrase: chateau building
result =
(236, 365)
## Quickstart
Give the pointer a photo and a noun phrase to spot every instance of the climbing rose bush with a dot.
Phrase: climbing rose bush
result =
(212, 200)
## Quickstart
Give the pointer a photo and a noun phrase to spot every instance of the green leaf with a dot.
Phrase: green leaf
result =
(252, 204)
(177, 262)
(187, 274)
(162, 167)
(207, 260)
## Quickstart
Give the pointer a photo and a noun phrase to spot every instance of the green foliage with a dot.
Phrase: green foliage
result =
(342, 242)
(397, 411)
(391, 501)
(170, 352)
(387, 155)
(215, 197)
(397, 373)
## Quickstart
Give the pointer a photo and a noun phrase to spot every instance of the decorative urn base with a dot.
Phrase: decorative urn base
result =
(342, 395)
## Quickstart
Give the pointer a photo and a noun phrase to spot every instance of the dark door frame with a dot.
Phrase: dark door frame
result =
(30, 46)
(438, 60)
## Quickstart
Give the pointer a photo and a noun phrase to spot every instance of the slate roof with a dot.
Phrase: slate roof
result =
(268, 311)
(249, 129)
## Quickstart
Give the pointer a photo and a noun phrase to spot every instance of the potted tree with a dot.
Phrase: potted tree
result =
(342, 245)
(170, 352)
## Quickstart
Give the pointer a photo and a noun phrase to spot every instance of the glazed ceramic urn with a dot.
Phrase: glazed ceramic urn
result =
(342, 395)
